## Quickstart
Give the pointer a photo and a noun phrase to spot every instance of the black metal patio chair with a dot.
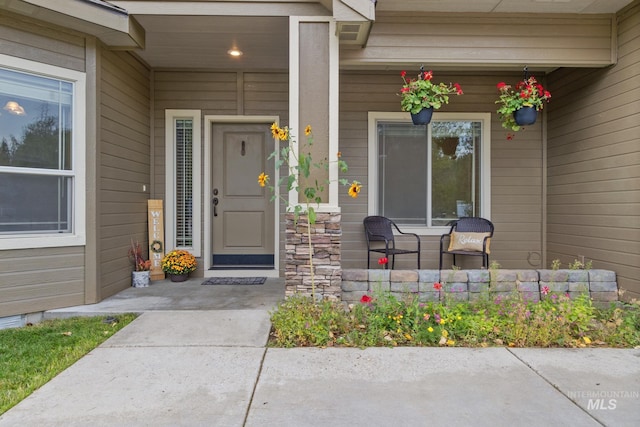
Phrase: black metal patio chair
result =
(468, 236)
(380, 229)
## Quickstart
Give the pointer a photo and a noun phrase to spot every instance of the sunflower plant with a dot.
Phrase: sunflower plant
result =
(301, 169)
(179, 261)
(298, 178)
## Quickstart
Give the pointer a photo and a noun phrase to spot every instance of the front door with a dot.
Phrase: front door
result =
(242, 213)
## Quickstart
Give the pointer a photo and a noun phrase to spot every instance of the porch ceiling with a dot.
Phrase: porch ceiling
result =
(182, 41)
(203, 42)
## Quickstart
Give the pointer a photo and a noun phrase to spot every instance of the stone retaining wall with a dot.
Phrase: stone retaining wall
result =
(469, 285)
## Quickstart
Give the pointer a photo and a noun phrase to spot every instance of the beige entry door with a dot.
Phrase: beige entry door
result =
(242, 213)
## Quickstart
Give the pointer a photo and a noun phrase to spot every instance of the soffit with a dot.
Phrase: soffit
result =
(502, 6)
(109, 23)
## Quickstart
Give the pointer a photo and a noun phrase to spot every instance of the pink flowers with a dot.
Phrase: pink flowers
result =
(366, 299)
(437, 286)
(458, 88)
(544, 290)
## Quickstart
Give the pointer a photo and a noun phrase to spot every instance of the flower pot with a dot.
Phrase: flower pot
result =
(525, 116)
(140, 279)
(422, 117)
(178, 277)
(449, 146)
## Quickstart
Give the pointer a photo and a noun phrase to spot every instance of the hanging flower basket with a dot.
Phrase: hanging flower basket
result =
(519, 106)
(449, 146)
(420, 96)
(423, 117)
(525, 116)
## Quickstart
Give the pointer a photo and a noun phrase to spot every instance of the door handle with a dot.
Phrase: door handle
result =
(215, 206)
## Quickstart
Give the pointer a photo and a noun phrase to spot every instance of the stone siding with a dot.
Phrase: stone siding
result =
(470, 285)
(326, 236)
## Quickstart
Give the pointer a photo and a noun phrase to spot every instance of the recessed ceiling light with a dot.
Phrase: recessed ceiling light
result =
(234, 52)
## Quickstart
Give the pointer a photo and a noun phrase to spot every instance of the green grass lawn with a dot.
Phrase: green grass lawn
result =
(32, 355)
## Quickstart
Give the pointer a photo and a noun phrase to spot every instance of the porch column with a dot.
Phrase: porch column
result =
(313, 97)
(313, 100)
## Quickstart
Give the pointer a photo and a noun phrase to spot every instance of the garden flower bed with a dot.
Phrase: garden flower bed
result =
(384, 319)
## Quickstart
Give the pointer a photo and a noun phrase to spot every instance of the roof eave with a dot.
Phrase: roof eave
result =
(111, 24)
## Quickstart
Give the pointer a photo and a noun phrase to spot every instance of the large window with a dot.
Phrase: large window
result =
(183, 180)
(424, 177)
(41, 155)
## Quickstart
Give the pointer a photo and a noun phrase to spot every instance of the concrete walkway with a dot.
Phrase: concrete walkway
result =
(197, 367)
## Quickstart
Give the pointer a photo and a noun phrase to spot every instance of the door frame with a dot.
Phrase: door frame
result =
(209, 121)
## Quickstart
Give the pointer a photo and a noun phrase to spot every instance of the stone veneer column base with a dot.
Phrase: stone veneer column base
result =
(326, 236)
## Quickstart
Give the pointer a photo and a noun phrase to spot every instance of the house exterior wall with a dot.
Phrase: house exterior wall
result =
(38, 279)
(215, 93)
(594, 161)
(485, 40)
(516, 168)
(124, 165)
(26, 38)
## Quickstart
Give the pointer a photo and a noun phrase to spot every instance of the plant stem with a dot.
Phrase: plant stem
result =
(313, 284)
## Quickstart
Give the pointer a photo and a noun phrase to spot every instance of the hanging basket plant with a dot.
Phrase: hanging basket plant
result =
(421, 94)
(519, 106)
(422, 117)
(449, 146)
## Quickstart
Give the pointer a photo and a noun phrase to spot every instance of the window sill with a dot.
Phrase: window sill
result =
(26, 241)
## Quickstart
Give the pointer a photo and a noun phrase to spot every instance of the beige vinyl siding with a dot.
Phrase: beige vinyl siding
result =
(516, 168)
(594, 162)
(482, 40)
(215, 93)
(34, 280)
(124, 166)
(20, 37)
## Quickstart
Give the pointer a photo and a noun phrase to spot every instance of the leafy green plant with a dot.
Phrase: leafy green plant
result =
(32, 355)
(580, 265)
(420, 93)
(299, 164)
(527, 93)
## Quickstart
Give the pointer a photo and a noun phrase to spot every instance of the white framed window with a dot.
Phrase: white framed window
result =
(183, 180)
(423, 177)
(42, 155)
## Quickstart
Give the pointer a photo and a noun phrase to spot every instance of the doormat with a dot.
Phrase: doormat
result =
(235, 281)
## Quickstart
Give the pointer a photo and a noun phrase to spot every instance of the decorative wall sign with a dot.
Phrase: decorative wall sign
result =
(156, 238)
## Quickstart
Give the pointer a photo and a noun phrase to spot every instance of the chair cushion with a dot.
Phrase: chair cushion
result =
(468, 241)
